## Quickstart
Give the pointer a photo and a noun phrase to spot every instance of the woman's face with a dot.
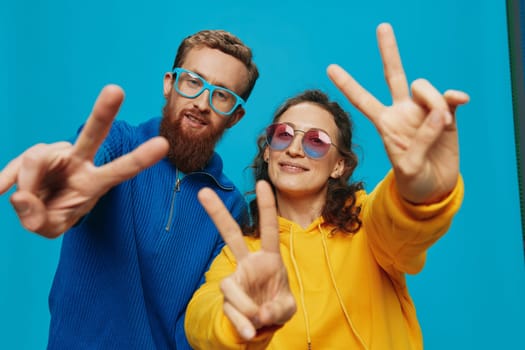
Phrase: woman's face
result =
(291, 171)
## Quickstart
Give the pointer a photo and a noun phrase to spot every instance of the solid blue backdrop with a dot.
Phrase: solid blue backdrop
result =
(57, 55)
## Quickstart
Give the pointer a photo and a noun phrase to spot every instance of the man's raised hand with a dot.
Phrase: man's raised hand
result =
(57, 184)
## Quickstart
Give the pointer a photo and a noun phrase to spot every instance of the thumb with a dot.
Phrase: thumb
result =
(129, 165)
(425, 137)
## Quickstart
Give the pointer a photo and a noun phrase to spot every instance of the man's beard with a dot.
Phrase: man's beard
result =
(187, 152)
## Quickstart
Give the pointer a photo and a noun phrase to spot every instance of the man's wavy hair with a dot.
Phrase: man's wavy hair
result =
(340, 209)
(225, 42)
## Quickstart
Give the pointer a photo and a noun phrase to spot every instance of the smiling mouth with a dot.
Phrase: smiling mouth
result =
(292, 167)
(195, 120)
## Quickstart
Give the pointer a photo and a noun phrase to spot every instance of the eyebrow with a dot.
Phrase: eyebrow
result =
(288, 123)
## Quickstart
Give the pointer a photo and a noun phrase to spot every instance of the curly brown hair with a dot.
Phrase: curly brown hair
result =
(225, 42)
(340, 208)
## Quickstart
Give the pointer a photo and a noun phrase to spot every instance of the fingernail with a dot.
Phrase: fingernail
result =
(247, 333)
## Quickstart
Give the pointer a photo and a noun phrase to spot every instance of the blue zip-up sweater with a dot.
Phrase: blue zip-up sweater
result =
(129, 268)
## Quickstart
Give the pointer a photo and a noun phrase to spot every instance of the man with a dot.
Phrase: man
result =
(137, 241)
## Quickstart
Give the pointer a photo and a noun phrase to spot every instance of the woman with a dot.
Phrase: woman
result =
(334, 254)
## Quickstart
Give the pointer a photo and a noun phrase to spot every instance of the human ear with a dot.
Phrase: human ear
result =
(235, 117)
(266, 155)
(168, 84)
(339, 169)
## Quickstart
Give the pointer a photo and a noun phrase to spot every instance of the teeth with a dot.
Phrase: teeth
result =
(293, 166)
(194, 119)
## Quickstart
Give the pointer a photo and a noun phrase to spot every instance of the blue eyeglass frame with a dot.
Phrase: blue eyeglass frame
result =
(207, 86)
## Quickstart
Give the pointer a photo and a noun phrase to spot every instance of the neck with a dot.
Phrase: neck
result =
(302, 211)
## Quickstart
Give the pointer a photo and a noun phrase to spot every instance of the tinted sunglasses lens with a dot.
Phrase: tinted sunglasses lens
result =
(279, 136)
(316, 143)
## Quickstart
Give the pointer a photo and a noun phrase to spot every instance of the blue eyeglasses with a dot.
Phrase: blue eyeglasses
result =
(191, 85)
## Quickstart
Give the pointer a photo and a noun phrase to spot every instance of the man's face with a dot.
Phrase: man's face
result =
(191, 126)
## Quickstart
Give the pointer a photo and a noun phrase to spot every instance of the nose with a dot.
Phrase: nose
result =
(296, 147)
(202, 101)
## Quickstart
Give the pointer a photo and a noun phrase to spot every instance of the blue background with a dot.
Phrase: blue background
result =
(55, 56)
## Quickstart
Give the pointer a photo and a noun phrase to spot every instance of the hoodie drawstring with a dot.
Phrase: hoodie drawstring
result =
(334, 284)
(301, 290)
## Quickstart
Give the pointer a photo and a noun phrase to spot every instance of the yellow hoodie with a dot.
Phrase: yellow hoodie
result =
(350, 290)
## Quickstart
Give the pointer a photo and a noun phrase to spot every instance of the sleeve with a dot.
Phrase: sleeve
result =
(205, 324)
(399, 233)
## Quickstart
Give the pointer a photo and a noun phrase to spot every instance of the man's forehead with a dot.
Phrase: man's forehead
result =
(216, 67)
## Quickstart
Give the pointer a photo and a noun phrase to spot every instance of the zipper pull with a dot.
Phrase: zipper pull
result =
(175, 190)
(177, 183)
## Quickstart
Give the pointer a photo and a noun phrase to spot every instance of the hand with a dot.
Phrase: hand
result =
(57, 184)
(419, 131)
(257, 295)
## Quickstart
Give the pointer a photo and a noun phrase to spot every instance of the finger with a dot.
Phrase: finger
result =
(430, 98)
(267, 217)
(9, 174)
(30, 209)
(242, 324)
(221, 217)
(426, 94)
(237, 297)
(392, 66)
(455, 98)
(36, 163)
(355, 93)
(34, 215)
(99, 122)
(424, 138)
(278, 311)
(129, 165)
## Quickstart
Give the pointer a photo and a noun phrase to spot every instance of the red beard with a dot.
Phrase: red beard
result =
(187, 152)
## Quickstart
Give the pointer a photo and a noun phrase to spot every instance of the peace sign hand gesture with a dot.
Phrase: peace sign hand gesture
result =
(257, 295)
(418, 131)
(58, 183)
